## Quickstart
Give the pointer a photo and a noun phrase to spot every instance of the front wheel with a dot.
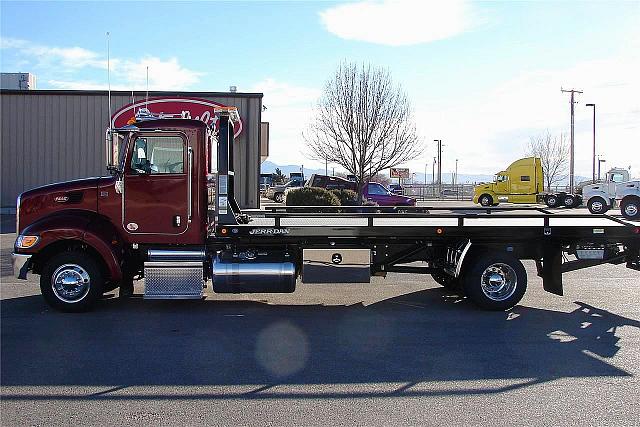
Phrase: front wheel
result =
(279, 197)
(71, 281)
(495, 281)
(486, 200)
(630, 208)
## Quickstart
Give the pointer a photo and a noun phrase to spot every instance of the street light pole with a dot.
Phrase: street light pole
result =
(433, 171)
(594, 142)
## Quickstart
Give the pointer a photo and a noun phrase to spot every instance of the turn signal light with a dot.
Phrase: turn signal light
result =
(223, 231)
(25, 242)
(439, 231)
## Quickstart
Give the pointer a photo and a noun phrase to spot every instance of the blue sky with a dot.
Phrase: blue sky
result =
(483, 76)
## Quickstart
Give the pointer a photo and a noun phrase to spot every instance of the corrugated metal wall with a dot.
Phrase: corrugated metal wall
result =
(53, 136)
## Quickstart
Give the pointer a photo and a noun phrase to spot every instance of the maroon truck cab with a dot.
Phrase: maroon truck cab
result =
(157, 194)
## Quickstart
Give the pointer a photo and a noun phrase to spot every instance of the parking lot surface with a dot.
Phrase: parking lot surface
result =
(400, 351)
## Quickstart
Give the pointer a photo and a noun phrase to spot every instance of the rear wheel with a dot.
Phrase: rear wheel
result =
(486, 200)
(71, 281)
(569, 201)
(597, 205)
(495, 281)
(279, 197)
(630, 208)
(552, 201)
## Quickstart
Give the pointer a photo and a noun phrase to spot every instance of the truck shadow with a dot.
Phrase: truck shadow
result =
(408, 340)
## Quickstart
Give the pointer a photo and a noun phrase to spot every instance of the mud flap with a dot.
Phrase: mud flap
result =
(550, 269)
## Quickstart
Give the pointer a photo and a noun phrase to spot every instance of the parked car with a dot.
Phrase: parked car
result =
(373, 191)
(384, 197)
(276, 192)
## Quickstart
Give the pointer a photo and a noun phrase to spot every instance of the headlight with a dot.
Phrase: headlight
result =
(25, 242)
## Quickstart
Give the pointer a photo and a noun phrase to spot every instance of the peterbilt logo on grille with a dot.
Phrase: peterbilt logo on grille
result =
(269, 231)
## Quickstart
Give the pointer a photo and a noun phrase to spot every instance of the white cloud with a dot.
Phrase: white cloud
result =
(126, 74)
(399, 22)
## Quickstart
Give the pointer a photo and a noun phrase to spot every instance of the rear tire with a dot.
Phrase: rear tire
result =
(570, 201)
(597, 205)
(552, 201)
(630, 208)
(495, 281)
(485, 200)
(71, 281)
(279, 197)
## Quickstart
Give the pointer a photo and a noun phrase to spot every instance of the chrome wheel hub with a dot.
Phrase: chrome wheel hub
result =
(499, 281)
(596, 206)
(631, 210)
(70, 283)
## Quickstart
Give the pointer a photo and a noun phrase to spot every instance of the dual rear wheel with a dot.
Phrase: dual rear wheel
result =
(492, 281)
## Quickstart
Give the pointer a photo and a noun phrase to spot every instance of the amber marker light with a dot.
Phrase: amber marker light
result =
(439, 231)
(223, 231)
(25, 242)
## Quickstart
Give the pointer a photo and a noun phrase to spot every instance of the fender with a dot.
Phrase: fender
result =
(82, 226)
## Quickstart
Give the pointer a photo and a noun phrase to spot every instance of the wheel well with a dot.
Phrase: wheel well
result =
(69, 245)
(630, 197)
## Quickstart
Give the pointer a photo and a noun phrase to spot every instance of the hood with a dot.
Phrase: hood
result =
(38, 202)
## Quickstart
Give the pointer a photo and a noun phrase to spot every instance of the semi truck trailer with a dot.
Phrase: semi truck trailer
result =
(155, 218)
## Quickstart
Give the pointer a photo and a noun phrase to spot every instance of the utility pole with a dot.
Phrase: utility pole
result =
(593, 167)
(572, 146)
(439, 141)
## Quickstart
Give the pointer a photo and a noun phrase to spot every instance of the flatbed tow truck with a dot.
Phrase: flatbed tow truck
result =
(168, 214)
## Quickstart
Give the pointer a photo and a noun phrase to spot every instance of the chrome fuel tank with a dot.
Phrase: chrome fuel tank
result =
(248, 276)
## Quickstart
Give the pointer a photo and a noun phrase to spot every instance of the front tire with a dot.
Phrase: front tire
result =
(279, 197)
(71, 281)
(630, 208)
(486, 200)
(495, 281)
(597, 205)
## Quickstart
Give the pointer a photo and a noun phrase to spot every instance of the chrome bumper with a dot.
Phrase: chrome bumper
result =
(21, 265)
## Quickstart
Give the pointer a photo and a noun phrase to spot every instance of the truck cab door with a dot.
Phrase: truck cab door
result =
(156, 196)
(502, 184)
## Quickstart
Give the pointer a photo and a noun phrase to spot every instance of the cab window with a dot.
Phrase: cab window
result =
(501, 178)
(158, 155)
(617, 177)
(377, 189)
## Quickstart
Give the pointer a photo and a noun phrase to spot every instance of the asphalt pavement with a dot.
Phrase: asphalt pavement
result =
(400, 351)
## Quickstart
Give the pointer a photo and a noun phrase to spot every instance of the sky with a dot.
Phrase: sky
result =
(484, 77)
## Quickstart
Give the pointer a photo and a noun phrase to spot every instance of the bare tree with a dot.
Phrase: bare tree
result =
(554, 156)
(362, 122)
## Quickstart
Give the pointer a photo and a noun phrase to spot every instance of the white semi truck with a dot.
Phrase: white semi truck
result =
(617, 189)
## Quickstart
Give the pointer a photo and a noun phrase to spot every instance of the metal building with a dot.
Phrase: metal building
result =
(51, 136)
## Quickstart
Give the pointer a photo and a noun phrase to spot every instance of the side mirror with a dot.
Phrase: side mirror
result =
(112, 149)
